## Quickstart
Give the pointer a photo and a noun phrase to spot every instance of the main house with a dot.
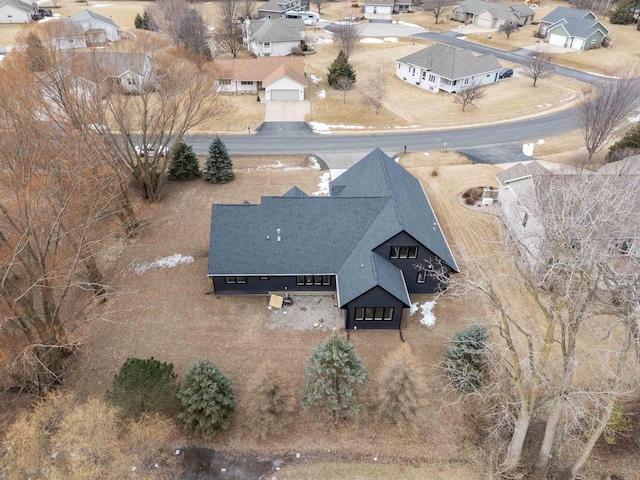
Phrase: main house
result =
(442, 67)
(17, 11)
(282, 78)
(273, 37)
(529, 192)
(364, 241)
(573, 28)
(492, 15)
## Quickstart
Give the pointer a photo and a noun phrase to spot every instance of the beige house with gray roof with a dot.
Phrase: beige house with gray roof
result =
(491, 15)
(273, 37)
(442, 67)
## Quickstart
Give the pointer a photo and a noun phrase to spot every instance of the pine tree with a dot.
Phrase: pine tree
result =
(184, 163)
(400, 390)
(143, 386)
(340, 68)
(629, 144)
(138, 22)
(466, 359)
(271, 406)
(623, 14)
(207, 399)
(335, 378)
(219, 167)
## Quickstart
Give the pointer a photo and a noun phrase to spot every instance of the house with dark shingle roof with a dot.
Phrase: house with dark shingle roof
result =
(442, 67)
(275, 37)
(572, 28)
(363, 242)
(491, 15)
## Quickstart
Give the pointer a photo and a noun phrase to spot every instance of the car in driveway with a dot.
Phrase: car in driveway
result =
(150, 150)
(505, 73)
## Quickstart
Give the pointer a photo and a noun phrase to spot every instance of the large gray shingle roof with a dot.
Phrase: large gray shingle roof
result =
(277, 29)
(451, 63)
(370, 203)
(565, 12)
(86, 15)
(497, 10)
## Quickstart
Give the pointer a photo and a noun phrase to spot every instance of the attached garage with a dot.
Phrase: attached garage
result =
(484, 19)
(555, 39)
(283, 95)
(577, 43)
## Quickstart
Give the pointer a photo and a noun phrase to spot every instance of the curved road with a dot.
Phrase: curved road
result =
(300, 141)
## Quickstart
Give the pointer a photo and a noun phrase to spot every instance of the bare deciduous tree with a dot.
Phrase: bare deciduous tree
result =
(346, 35)
(344, 84)
(229, 31)
(374, 89)
(539, 64)
(603, 108)
(318, 4)
(168, 16)
(438, 8)
(469, 95)
(508, 28)
(246, 8)
(193, 34)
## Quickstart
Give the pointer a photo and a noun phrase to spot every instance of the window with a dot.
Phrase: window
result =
(424, 74)
(326, 279)
(246, 82)
(525, 219)
(264, 278)
(593, 41)
(233, 280)
(224, 81)
(267, 45)
(378, 314)
(404, 252)
(466, 81)
(432, 78)
(300, 280)
(317, 279)
(422, 276)
(413, 70)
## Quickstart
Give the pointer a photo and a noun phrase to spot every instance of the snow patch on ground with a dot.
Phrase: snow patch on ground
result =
(428, 317)
(323, 184)
(371, 40)
(278, 166)
(315, 79)
(101, 5)
(391, 39)
(400, 127)
(426, 154)
(55, 16)
(634, 119)
(326, 128)
(409, 24)
(601, 75)
(323, 40)
(527, 148)
(321, 94)
(568, 99)
(314, 162)
(336, 172)
(166, 262)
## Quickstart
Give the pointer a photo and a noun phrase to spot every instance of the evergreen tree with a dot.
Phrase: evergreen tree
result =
(219, 167)
(466, 358)
(184, 163)
(143, 386)
(271, 406)
(623, 14)
(335, 378)
(207, 399)
(400, 390)
(139, 22)
(340, 68)
(629, 144)
(194, 34)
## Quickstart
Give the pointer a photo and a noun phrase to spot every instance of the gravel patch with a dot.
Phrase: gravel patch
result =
(308, 312)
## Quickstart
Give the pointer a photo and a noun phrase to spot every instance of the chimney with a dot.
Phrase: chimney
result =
(278, 232)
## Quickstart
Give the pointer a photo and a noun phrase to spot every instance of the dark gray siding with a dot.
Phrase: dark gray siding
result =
(256, 286)
(407, 265)
(376, 297)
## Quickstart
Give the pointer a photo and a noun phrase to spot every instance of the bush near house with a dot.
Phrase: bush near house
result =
(466, 358)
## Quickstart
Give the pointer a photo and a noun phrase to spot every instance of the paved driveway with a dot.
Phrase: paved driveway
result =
(289, 111)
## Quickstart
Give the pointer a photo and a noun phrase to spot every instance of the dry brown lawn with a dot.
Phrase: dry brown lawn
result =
(407, 105)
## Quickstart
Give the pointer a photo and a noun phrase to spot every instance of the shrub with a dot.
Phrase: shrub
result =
(271, 406)
(400, 390)
(466, 359)
(184, 163)
(143, 386)
(335, 378)
(207, 399)
(629, 144)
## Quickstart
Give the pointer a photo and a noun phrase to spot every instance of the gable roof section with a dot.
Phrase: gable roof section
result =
(284, 71)
(273, 30)
(521, 170)
(497, 10)
(19, 4)
(566, 13)
(451, 63)
(580, 27)
(87, 15)
(258, 69)
(277, 6)
(295, 192)
(387, 3)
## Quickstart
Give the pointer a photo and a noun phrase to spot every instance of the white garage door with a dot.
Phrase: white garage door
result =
(577, 43)
(284, 95)
(484, 22)
(555, 39)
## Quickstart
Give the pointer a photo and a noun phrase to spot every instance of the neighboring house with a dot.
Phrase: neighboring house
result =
(402, 6)
(573, 28)
(362, 242)
(492, 15)
(111, 71)
(278, 8)
(68, 34)
(98, 29)
(281, 78)
(526, 188)
(17, 11)
(273, 37)
(442, 67)
(379, 10)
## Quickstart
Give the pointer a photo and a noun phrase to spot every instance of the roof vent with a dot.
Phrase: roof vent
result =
(434, 226)
(278, 232)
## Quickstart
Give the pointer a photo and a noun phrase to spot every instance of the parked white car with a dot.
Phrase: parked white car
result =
(150, 150)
